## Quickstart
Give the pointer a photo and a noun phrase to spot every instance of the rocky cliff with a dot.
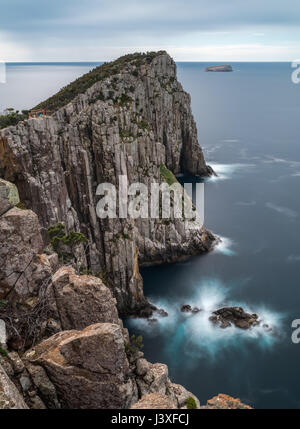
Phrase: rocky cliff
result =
(130, 118)
(62, 344)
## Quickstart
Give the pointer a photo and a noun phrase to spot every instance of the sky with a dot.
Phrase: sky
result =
(190, 30)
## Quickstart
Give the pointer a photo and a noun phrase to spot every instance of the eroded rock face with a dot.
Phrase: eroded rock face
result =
(20, 242)
(57, 163)
(225, 317)
(82, 300)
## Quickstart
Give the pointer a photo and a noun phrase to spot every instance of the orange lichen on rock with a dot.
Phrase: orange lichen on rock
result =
(223, 401)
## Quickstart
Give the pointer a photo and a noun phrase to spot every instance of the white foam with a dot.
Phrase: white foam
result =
(226, 171)
(195, 335)
(225, 247)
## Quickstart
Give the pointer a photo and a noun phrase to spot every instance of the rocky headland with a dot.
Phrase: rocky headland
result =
(67, 276)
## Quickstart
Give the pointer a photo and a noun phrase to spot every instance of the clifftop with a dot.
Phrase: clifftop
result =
(106, 70)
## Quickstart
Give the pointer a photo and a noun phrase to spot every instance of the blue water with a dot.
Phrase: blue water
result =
(248, 124)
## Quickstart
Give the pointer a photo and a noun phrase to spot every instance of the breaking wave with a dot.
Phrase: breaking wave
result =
(187, 334)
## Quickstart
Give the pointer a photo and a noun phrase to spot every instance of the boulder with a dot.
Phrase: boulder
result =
(88, 368)
(82, 300)
(225, 317)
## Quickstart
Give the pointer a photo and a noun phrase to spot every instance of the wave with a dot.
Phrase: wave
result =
(226, 171)
(225, 247)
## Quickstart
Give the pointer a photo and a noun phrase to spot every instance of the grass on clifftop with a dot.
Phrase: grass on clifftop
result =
(80, 85)
(167, 175)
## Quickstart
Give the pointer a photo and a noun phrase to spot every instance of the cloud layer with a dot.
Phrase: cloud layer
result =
(193, 30)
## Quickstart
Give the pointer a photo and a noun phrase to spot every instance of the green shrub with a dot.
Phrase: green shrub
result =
(57, 235)
(191, 403)
(3, 352)
(134, 346)
(12, 118)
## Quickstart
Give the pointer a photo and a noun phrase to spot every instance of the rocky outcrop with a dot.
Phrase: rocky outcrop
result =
(225, 402)
(96, 368)
(228, 316)
(129, 123)
(88, 368)
(82, 300)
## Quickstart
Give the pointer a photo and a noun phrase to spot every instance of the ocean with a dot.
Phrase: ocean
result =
(249, 128)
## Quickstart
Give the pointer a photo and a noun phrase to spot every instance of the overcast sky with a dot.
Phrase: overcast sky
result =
(190, 30)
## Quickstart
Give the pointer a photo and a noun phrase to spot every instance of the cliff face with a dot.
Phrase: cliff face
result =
(129, 123)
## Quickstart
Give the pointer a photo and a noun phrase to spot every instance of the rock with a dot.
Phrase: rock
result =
(9, 192)
(20, 242)
(181, 395)
(161, 312)
(25, 383)
(142, 367)
(10, 398)
(88, 368)
(225, 402)
(57, 163)
(3, 337)
(154, 401)
(46, 389)
(221, 68)
(82, 300)
(16, 362)
(227, 316)
(155, 380)
(5, 205)
(186, 309)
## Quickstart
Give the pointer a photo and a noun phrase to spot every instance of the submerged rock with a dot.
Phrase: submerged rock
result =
(188, 309)
(225, 317)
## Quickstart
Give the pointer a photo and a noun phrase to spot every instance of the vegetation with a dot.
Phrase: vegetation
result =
(134, 346)
(80, 85)
(3, 352)
(57, 235)
(12, 117)
(191, 403)
(167, 175)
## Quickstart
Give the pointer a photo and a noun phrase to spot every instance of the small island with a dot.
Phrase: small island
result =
(221, 68)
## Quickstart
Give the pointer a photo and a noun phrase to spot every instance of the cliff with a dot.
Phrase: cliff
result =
(132, 118)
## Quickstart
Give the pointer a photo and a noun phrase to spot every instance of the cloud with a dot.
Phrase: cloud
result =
(293, 258)
(193, 30)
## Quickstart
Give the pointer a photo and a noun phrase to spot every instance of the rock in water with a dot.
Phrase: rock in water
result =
(221, 68)
(225, 317)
